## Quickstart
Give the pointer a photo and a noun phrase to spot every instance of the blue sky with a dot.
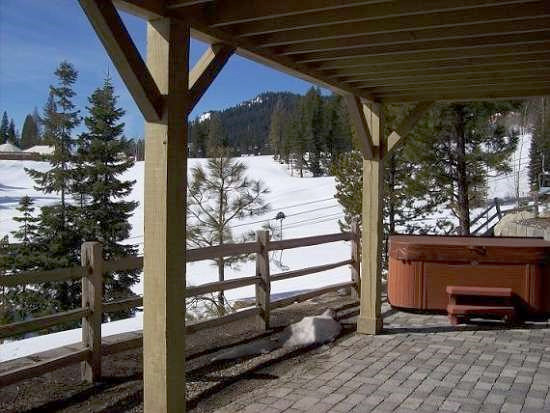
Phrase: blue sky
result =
(35, 35)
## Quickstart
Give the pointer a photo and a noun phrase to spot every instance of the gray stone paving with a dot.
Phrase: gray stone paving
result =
(420, 364)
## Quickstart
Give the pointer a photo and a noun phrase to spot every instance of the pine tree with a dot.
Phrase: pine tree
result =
(337, 130)
(58, 241)
(217, 196)
(27, 231)
(299, 136)
(469, 139)
(216, 136)
(12, 133)
(313, 129)
(29, 135)
(279, 118)
(4, 128)
(540, 142)
(104, 212)
(198, 139)
(59, 120)
(38, 122)
(22, 302)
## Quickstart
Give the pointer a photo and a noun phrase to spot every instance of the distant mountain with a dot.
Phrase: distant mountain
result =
(246, 125)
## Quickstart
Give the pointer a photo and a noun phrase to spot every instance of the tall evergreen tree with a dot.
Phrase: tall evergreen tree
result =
(279, 118)
(12, 133)
(299, 136)
(216, 136)
(4, 128)
(469, 140)
(104, 213)
(217, 196)
(29, 134)
(60, 118)
(337, 129)
(38, 122)
(198, 139)
(540, 142)
(58, 240)
(313, 128)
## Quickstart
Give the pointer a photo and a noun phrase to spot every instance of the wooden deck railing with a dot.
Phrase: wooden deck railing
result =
(93, 268)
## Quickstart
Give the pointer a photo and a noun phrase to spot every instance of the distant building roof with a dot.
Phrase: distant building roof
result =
(9, 147)
(41, 149)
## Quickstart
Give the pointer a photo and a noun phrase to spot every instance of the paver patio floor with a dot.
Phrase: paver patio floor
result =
(420, 364)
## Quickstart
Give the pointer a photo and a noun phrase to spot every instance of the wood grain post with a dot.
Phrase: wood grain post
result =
(263, 289)
(355, 260)
(92, 299)
(370, 320)
(165, 217)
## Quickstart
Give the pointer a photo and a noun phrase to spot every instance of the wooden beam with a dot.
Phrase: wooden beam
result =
(421, 21)
(364, 13)
(227, 13)
(125, 56)
(513, 51)
(433, 46)
(207, 69)
(466, 31)
(442, 75)
(499, 83)
(399, 135)
(370, 319)
(165, 205)
(174, 4)
(472, 63)
(146, 9)
(476, 94)
(247, 49)
(360, 125)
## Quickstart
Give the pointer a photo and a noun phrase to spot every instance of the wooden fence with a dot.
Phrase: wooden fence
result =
(93, 307)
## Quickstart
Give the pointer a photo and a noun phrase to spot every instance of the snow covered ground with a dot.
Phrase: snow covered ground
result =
(308, 203)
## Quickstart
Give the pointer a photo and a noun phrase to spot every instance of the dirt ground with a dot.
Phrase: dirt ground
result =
(210, 385)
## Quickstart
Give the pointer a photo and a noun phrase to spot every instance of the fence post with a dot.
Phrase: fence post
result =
(92, 299)
(263, 288)
(356, 260)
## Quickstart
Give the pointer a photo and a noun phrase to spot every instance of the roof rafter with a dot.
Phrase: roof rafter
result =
(365, 14)
(428, 46)
(411, 37)
(397, 24)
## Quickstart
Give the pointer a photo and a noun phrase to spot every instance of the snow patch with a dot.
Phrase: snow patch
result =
(41, 149)
(205, 116)
(9, 148)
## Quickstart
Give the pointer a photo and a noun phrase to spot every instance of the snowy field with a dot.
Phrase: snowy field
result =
(308, 203)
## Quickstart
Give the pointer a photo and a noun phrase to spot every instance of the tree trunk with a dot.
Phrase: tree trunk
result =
(463, 199)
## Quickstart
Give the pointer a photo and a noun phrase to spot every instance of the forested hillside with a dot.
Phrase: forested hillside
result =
(244, 128)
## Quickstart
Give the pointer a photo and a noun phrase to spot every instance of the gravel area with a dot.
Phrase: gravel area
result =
(209, 385)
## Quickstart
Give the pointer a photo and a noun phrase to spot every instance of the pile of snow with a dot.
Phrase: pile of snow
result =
(309, 331)
(9, 148)
(40, 149)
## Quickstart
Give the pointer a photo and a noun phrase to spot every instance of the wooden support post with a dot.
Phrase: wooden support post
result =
(165, 220)
(263, 289)
(355, 260)
(370, 320)
(92, 298)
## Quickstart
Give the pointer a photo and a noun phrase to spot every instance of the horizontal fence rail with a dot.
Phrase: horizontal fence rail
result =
(93, 269)
(41, 323)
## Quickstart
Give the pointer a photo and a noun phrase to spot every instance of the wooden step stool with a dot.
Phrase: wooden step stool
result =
(465, 302)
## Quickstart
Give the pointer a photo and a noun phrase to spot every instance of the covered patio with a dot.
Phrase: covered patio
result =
(370, 51)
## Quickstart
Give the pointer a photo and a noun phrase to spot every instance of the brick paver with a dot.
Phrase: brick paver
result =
(419, 364)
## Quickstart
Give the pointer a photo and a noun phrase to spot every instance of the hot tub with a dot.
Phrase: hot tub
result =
(420, 268)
